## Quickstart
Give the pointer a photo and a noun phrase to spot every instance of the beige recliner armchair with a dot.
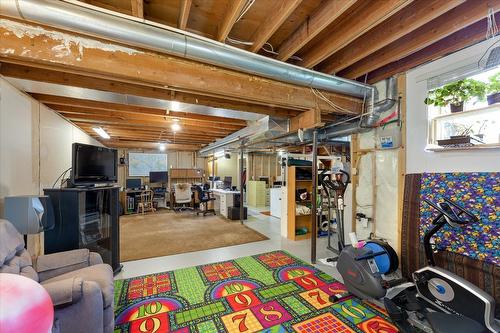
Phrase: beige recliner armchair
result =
(79, 284)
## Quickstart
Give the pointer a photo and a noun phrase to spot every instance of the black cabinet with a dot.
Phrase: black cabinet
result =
(86, 218)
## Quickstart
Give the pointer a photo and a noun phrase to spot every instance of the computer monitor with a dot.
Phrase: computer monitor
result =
(227, 182)
(134, 183)
(158, 176)
(216, 178)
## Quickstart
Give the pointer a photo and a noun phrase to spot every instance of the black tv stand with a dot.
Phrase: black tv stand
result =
(86, 217)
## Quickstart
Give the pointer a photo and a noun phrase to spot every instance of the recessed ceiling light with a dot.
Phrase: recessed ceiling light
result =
(176, 127)
(102, 133)
(162, 147)
(175, 106)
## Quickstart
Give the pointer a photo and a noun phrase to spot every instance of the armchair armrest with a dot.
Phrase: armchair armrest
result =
(50, 265)
(65, 292)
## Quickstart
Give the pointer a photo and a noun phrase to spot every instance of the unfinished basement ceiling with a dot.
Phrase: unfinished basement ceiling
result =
(349, 38)
(354, 39)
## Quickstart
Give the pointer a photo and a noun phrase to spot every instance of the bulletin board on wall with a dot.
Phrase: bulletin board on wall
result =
(141, 164)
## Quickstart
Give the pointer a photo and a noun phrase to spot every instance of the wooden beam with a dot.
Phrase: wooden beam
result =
(155, 138)
(184, 14)
(408, 19)
(359, 22)
(275, 17)
(456, 19)
(39, 47)
(471, 35)
(149, 132)
(107, 6)
(306, 120)
(137, 8)
(75, 80)
(59, 101)
(149, 145)
(322, 16)
(167, 120)
(233, 11)
(139, 133)
(104, 120)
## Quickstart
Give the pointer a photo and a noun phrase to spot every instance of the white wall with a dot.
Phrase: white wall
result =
(417, 159)
(35, 143)
(228, 167)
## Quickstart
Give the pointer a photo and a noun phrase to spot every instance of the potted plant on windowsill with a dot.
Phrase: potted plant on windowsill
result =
(456, 94)
(493, 89)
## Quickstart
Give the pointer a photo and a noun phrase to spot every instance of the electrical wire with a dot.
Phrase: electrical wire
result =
(61, 175)
(237, 41)
(336, 107)
(492, 29)
(245, 9)
(271, 50)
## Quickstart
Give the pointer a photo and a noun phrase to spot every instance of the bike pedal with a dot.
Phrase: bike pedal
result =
(339, 296)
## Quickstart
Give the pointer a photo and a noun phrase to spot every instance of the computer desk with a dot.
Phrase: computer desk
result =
(223, 200)
(132, 193)
(127, 198)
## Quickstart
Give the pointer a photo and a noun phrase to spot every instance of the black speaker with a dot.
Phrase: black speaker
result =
(48, 217)
(233, 213)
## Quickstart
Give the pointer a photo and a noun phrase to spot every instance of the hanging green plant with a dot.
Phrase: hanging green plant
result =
(493, 89)
(456, 94)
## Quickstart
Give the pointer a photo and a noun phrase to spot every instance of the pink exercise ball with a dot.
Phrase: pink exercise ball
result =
(25, 306)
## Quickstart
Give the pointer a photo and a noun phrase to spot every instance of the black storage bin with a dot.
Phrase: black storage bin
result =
(233, 213)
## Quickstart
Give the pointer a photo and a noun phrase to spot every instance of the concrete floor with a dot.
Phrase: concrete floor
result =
(267, 225)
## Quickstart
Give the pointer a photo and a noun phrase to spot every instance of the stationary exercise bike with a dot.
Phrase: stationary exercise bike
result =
(334, 185)
(437, 300)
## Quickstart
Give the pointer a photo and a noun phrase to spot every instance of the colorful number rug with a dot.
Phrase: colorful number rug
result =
(270, 292)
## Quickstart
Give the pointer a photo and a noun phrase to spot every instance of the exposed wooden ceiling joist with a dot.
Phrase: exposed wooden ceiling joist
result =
(454, 20)
(149, 132)
(150, 145)
(167, 120)
(328, 12)
(76, 80)
(279, 12)
(184, 14)
(232, 12)
(153, 137)
(353, 26)
(408, 19)
(150, 68)
(59, 102)
(466, 37)
(137, 8)
(104, 120)
(144, 128)
(349, 31)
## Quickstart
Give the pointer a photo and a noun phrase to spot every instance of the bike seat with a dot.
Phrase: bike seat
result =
(447, 323)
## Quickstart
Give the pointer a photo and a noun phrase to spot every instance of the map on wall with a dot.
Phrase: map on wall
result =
(140, 164)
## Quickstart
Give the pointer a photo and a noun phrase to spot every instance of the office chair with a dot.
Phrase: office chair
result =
(182, 194)
(204, 197)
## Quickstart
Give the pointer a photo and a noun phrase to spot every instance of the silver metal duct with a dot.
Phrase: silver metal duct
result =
(148, 35)
(261, 130)
(332, 131)
(368, 122)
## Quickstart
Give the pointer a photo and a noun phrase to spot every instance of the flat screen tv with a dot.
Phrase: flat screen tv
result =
(93, 164)
(158, 176)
